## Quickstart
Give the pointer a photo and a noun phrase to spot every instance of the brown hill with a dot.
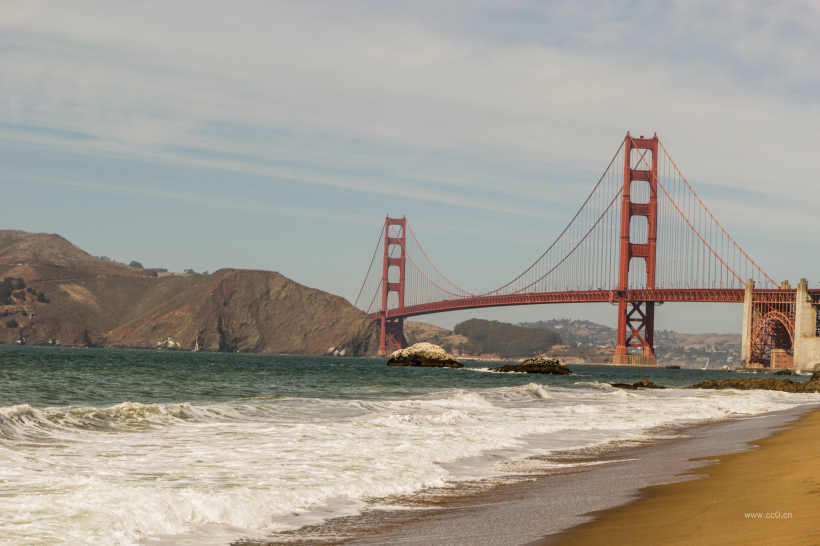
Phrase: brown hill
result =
(595, 343)
(255, 312)
(45, 249)
(94, 302)
(51, 251)
(423, 332)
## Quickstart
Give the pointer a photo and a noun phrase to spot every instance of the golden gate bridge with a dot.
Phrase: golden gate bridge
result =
(641, 238)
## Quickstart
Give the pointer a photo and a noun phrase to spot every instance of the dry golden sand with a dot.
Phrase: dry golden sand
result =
(781, 476)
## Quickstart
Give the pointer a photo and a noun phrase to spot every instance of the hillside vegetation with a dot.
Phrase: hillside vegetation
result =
(504, 339)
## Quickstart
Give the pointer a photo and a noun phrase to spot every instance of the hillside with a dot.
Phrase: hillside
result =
(51, 251)
(94, 302)
(477, 336)
(417, 332)
(595, 342)
(504, 339)
(256, 312)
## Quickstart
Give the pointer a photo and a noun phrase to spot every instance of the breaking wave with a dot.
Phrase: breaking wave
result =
(120, 474)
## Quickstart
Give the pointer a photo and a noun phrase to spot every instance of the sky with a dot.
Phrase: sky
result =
(278, 135)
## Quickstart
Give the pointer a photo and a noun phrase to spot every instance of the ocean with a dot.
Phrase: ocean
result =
(120, 447)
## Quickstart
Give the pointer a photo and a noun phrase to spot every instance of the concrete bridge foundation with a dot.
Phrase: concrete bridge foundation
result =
(746, 343)
(806, 342)
(804, 354)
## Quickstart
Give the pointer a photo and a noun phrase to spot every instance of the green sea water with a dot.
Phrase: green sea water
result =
(49, 376)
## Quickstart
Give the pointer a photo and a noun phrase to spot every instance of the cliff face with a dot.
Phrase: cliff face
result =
(93, 302)
(253, 312)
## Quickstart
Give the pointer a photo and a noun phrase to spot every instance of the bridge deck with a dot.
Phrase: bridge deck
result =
(716, 295)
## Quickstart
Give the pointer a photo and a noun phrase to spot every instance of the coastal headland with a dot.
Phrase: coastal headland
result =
(91, 301)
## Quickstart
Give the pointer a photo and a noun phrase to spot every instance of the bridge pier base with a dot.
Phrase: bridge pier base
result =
(746, 338)
(780, 328)
(392, 336)
(806, 342)
(636, 329)
(634, 360)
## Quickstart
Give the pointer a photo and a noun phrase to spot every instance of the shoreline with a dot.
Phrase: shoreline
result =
(727, 500)
(535, 509)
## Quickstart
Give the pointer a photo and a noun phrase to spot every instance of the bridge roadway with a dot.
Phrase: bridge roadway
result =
(682, 295)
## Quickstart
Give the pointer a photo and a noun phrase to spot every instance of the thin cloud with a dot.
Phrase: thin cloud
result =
(481, 114)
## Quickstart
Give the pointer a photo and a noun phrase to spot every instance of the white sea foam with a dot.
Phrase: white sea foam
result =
(121, 474)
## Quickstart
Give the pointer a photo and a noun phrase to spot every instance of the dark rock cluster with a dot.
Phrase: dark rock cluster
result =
(643, 384)
(784, 385)
(541, 364)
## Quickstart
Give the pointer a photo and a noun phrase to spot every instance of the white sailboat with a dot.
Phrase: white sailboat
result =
(707, 362)
(196, 345)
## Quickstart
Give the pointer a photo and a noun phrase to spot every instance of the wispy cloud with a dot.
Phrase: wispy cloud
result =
(495, 118)
(149, 77)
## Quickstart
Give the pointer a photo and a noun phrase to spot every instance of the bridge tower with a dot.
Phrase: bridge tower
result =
(636, 320)
(392, 330)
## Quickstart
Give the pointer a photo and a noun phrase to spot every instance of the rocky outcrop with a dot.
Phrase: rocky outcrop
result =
(783, 385)
(168, 344)
(643, 384)
(541, 364)
(425, 355)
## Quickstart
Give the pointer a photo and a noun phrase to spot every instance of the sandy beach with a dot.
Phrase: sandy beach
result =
(769, 495)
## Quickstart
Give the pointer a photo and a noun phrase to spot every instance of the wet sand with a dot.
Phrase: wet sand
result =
(770, 495)
(536, 511)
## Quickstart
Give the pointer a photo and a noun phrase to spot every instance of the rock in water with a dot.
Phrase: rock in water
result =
(424, 355)
(783, 385)
(642, 384)
(541, 364)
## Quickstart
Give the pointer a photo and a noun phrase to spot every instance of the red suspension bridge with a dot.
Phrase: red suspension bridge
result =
(642, 237)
